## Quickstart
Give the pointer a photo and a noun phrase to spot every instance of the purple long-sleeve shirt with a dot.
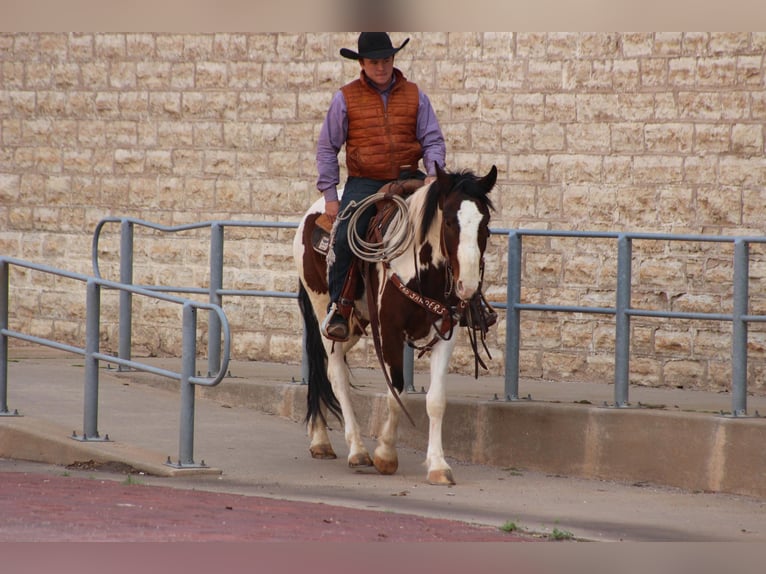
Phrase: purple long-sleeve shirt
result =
(334, 132)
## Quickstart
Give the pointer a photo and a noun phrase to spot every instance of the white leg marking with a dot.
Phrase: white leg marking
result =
(337, 371)
(319, 445)
(436, 404)
(386, 459)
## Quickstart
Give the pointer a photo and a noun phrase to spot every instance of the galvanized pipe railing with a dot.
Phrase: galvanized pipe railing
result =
(215, 290)
(93, 355)
(623, 311)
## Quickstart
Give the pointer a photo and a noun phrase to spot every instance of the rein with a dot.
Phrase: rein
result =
(478, 317)
(375, 327)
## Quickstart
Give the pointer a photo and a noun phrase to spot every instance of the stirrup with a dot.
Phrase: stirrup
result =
(334, 329)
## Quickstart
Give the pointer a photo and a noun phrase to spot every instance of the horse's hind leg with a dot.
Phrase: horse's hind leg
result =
(320, 446)
(439, 472)
(339, 375)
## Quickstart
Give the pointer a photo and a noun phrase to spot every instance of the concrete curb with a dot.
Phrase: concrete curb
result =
(693, 451)
(34, 439)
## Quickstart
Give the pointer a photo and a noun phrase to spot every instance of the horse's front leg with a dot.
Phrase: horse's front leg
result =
(337, 371)
(386, 459)
(439, 472)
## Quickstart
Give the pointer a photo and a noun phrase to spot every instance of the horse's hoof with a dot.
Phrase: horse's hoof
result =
(386, 466)
(360, 459)
(441, 477)
(323, 451)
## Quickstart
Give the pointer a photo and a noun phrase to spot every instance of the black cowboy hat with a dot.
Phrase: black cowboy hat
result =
(373, 45)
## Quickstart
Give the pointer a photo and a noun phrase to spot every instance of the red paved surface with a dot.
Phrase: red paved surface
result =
(43, 507)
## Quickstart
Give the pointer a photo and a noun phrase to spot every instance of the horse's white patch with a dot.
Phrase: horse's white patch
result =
(404, 265)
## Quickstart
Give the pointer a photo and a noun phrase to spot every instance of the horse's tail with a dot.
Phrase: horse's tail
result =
(319, 386)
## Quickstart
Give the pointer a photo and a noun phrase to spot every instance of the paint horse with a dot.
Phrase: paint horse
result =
(419, 298)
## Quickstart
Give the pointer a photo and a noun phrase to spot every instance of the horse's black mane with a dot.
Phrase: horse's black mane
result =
(465, 182)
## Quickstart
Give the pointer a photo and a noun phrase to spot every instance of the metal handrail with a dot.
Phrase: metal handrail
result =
(215, 291)
(93, 355)
(176, 229)
(623, 310)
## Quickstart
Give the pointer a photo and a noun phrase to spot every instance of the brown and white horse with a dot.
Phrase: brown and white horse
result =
(418, 299)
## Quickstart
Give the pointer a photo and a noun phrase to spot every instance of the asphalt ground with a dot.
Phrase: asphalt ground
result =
(263, 485)
(44, 504)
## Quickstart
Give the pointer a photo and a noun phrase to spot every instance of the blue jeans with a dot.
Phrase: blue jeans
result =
(356, 189)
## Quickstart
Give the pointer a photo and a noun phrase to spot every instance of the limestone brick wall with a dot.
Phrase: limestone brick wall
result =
(603, 131)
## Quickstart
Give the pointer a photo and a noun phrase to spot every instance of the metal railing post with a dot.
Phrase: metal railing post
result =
(92, 328)
(3, 338)
(304, 359)
(739, 329)
(126, 297)
(408, 368)
(188, 357)
(216, 283)
(622, 321)
(513, 318)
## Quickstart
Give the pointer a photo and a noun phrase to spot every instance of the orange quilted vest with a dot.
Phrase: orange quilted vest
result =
(381, 140)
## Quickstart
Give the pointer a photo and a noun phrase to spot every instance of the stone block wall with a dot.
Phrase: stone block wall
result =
(655, 132)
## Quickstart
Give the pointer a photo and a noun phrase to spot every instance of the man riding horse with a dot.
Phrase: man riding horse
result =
(387, 125)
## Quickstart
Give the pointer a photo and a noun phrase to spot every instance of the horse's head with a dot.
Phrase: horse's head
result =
(465, 209)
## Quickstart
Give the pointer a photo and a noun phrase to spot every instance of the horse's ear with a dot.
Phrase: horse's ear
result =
(488, 181)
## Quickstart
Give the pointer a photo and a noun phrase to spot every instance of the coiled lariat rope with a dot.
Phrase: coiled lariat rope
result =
(398, 237)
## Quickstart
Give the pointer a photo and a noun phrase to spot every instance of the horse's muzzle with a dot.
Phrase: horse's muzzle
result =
(465, 291)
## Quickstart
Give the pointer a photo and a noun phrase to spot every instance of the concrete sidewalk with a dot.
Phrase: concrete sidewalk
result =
(558, 461)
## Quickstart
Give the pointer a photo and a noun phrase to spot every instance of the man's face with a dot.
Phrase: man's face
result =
(379, 71)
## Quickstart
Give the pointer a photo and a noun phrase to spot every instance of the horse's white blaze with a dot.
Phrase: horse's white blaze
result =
(468, 253)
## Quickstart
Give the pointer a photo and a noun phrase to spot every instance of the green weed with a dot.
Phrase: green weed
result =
(130, 480)
(561, 534)
(509, 526)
